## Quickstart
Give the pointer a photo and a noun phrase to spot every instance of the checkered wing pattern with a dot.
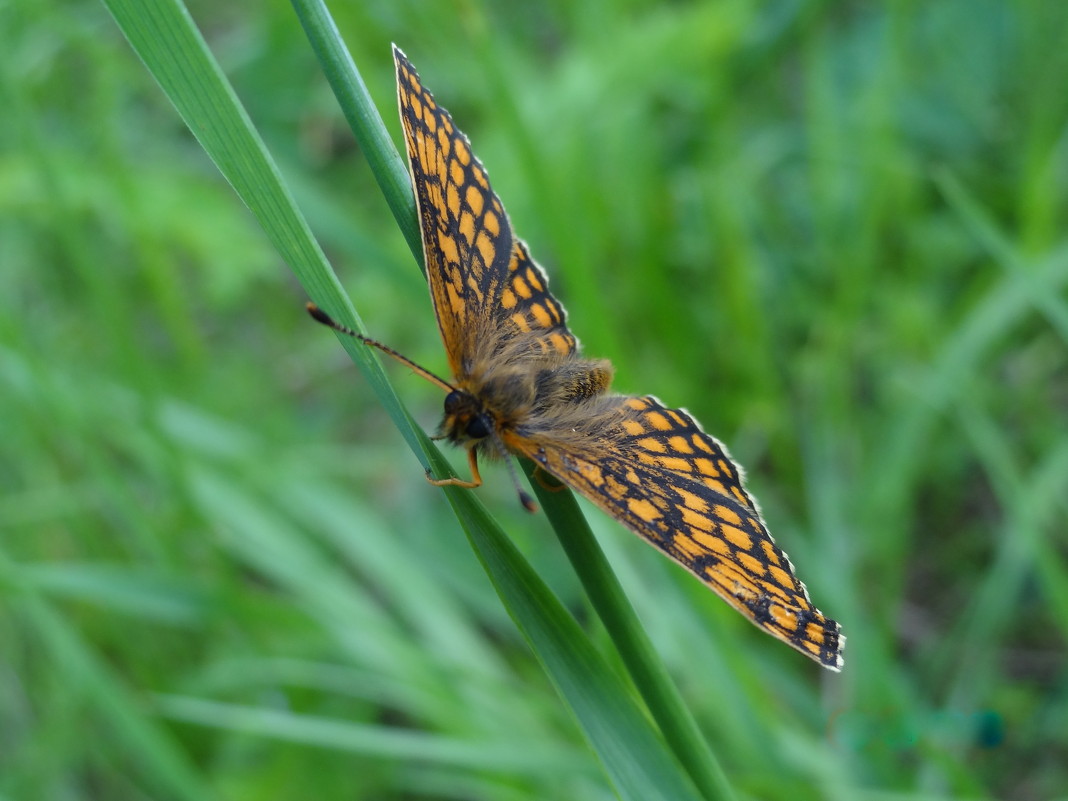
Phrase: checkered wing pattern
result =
(507, 340)
(655, 470)
(481, 277)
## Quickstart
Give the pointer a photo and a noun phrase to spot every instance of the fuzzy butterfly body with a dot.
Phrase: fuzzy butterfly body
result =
(522, 387)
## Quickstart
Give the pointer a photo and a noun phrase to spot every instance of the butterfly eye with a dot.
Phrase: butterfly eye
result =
(454, 401)
(479, 427)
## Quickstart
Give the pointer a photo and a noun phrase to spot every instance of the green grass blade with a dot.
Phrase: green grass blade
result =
(642, 662)
(386, 163)
(151, 754)
(165, 37)
(381, 742)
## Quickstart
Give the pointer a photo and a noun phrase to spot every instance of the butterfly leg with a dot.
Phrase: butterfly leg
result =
(452, 481)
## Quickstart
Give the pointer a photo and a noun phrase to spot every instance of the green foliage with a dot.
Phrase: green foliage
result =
(835, 232)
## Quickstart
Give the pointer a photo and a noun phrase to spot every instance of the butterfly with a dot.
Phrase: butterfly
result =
(521, 387)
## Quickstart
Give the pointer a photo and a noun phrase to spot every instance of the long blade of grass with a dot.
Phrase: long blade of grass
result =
(165, 37)
(153, 756)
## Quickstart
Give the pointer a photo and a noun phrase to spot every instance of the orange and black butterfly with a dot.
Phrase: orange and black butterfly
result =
(521, 386)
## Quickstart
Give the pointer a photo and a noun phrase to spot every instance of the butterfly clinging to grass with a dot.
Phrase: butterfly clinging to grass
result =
(520, 386)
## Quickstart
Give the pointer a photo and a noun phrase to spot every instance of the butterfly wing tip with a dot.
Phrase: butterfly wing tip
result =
(835, 661)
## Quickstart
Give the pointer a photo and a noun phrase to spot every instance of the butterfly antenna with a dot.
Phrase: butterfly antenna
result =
(322, 317)
(524, 496)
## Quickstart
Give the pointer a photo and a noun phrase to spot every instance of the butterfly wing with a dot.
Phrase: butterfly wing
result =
(482, 279)
(656, 471)
(526, 308)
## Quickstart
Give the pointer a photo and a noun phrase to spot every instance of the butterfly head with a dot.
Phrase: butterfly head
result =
(466, 419)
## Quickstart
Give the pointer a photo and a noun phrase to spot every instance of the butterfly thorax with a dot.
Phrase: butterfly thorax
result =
(523, 395)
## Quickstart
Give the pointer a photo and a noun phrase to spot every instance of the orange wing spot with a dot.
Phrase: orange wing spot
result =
(737, 493)
(690, 549)
(781, 576)
(521, 323)
(541, 316)
(814, 632)
(677, 418)
(534, 281)
(706, 468)
(749, 563)
(475, 199)
(737, 538)
(560, 343)
(483, 181)
(643, 509)
(485, 247)
(521, 288)
(652, 444)
(633, 427)
(452, 200)
(444, 144)
(727, 515)
(431, 123)
(429, 100)
(700, 444)
(416, 107)
(591, 473)
(784, 619)
(731, 581)
(463, 152)
(615, 489)
(476, 290)
(679, 444)
(449, 250)
(637, 404)
(659, 421)
(692, 501)
(676, 463)
(711, 544)
(769, 551)
(456, 172)
(715, 485)
(467, 225)
(491, 222)
(697, 520)
(456, 303)
(508, 299)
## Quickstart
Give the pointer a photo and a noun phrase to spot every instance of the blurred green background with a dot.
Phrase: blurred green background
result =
(836, 232)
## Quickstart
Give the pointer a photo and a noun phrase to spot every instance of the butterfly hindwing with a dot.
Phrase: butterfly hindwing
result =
(656, 471)
(527, 306)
